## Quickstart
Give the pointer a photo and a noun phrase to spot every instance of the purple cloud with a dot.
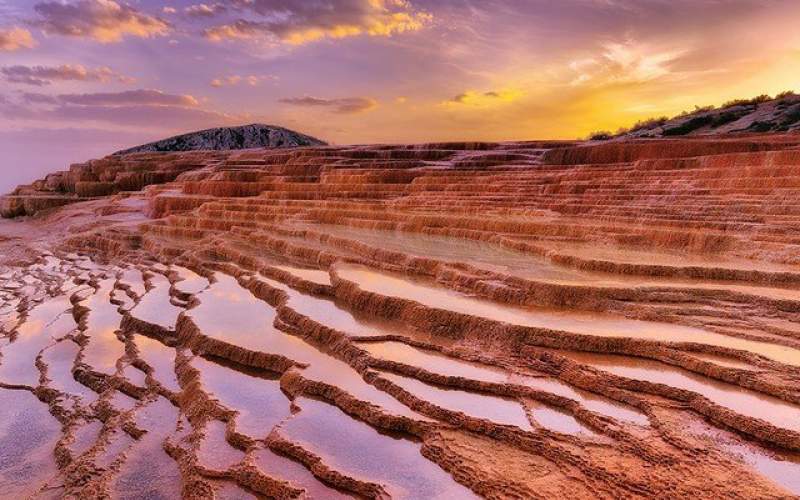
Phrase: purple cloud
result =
(144, 116)
(45, 75)
(347, 105)
(142, 97)
(202, 10)
(151, 108)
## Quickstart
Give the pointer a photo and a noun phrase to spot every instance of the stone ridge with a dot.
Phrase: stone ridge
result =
(255, 135)
(758, 115)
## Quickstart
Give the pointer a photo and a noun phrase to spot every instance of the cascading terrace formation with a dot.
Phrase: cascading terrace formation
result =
(613, 319)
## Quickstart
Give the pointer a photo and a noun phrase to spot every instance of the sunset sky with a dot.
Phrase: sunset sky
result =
(81, 78)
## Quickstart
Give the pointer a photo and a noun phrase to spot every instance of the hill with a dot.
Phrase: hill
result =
(757, 115)
(134, 168)
(255, 135)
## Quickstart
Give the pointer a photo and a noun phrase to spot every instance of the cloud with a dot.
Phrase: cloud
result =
(105, 21)
(347, 105)
(233, 80)
(298, 23)
(240, 29)
(484, 99)
(204, 10)
(45, 75)
(626, 62)
(37, 98)
(15, 38)
(141, 97)
(140, 108)
(169, 10)
(163, 116)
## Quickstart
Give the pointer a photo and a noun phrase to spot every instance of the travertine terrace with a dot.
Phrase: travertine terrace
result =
(512, 320)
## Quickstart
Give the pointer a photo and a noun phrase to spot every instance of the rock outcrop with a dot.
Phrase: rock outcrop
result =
(154, 163)
(758, 115)
(601, 320)
(251, 136)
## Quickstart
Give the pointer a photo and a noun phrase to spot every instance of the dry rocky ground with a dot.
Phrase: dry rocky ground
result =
(757, 115)
(513, 320)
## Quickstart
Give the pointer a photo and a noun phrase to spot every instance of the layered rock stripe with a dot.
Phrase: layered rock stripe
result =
(503, 320)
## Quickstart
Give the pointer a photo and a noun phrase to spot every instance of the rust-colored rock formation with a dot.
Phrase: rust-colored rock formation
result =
(500, 320)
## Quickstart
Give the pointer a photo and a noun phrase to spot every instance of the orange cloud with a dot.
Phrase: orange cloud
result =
(238, 30)
(15, 38)
(233, 80)
(105, 21)
(299, 23)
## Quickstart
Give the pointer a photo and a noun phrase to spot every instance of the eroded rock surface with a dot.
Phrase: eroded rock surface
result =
(515, 320)
(758, 115)
(251, 136)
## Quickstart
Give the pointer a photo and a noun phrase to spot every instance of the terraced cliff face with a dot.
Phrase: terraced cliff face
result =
(517, 320)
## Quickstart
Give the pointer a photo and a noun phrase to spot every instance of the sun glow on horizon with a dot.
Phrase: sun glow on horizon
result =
(100, 75)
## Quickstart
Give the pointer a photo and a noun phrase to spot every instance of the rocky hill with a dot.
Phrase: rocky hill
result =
(255, 135)
(757, 115)
(155, 163)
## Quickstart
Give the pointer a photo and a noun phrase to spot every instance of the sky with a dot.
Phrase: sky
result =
(82, 78)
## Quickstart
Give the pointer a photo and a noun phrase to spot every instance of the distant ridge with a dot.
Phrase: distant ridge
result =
(757, 115)
(255, 135)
